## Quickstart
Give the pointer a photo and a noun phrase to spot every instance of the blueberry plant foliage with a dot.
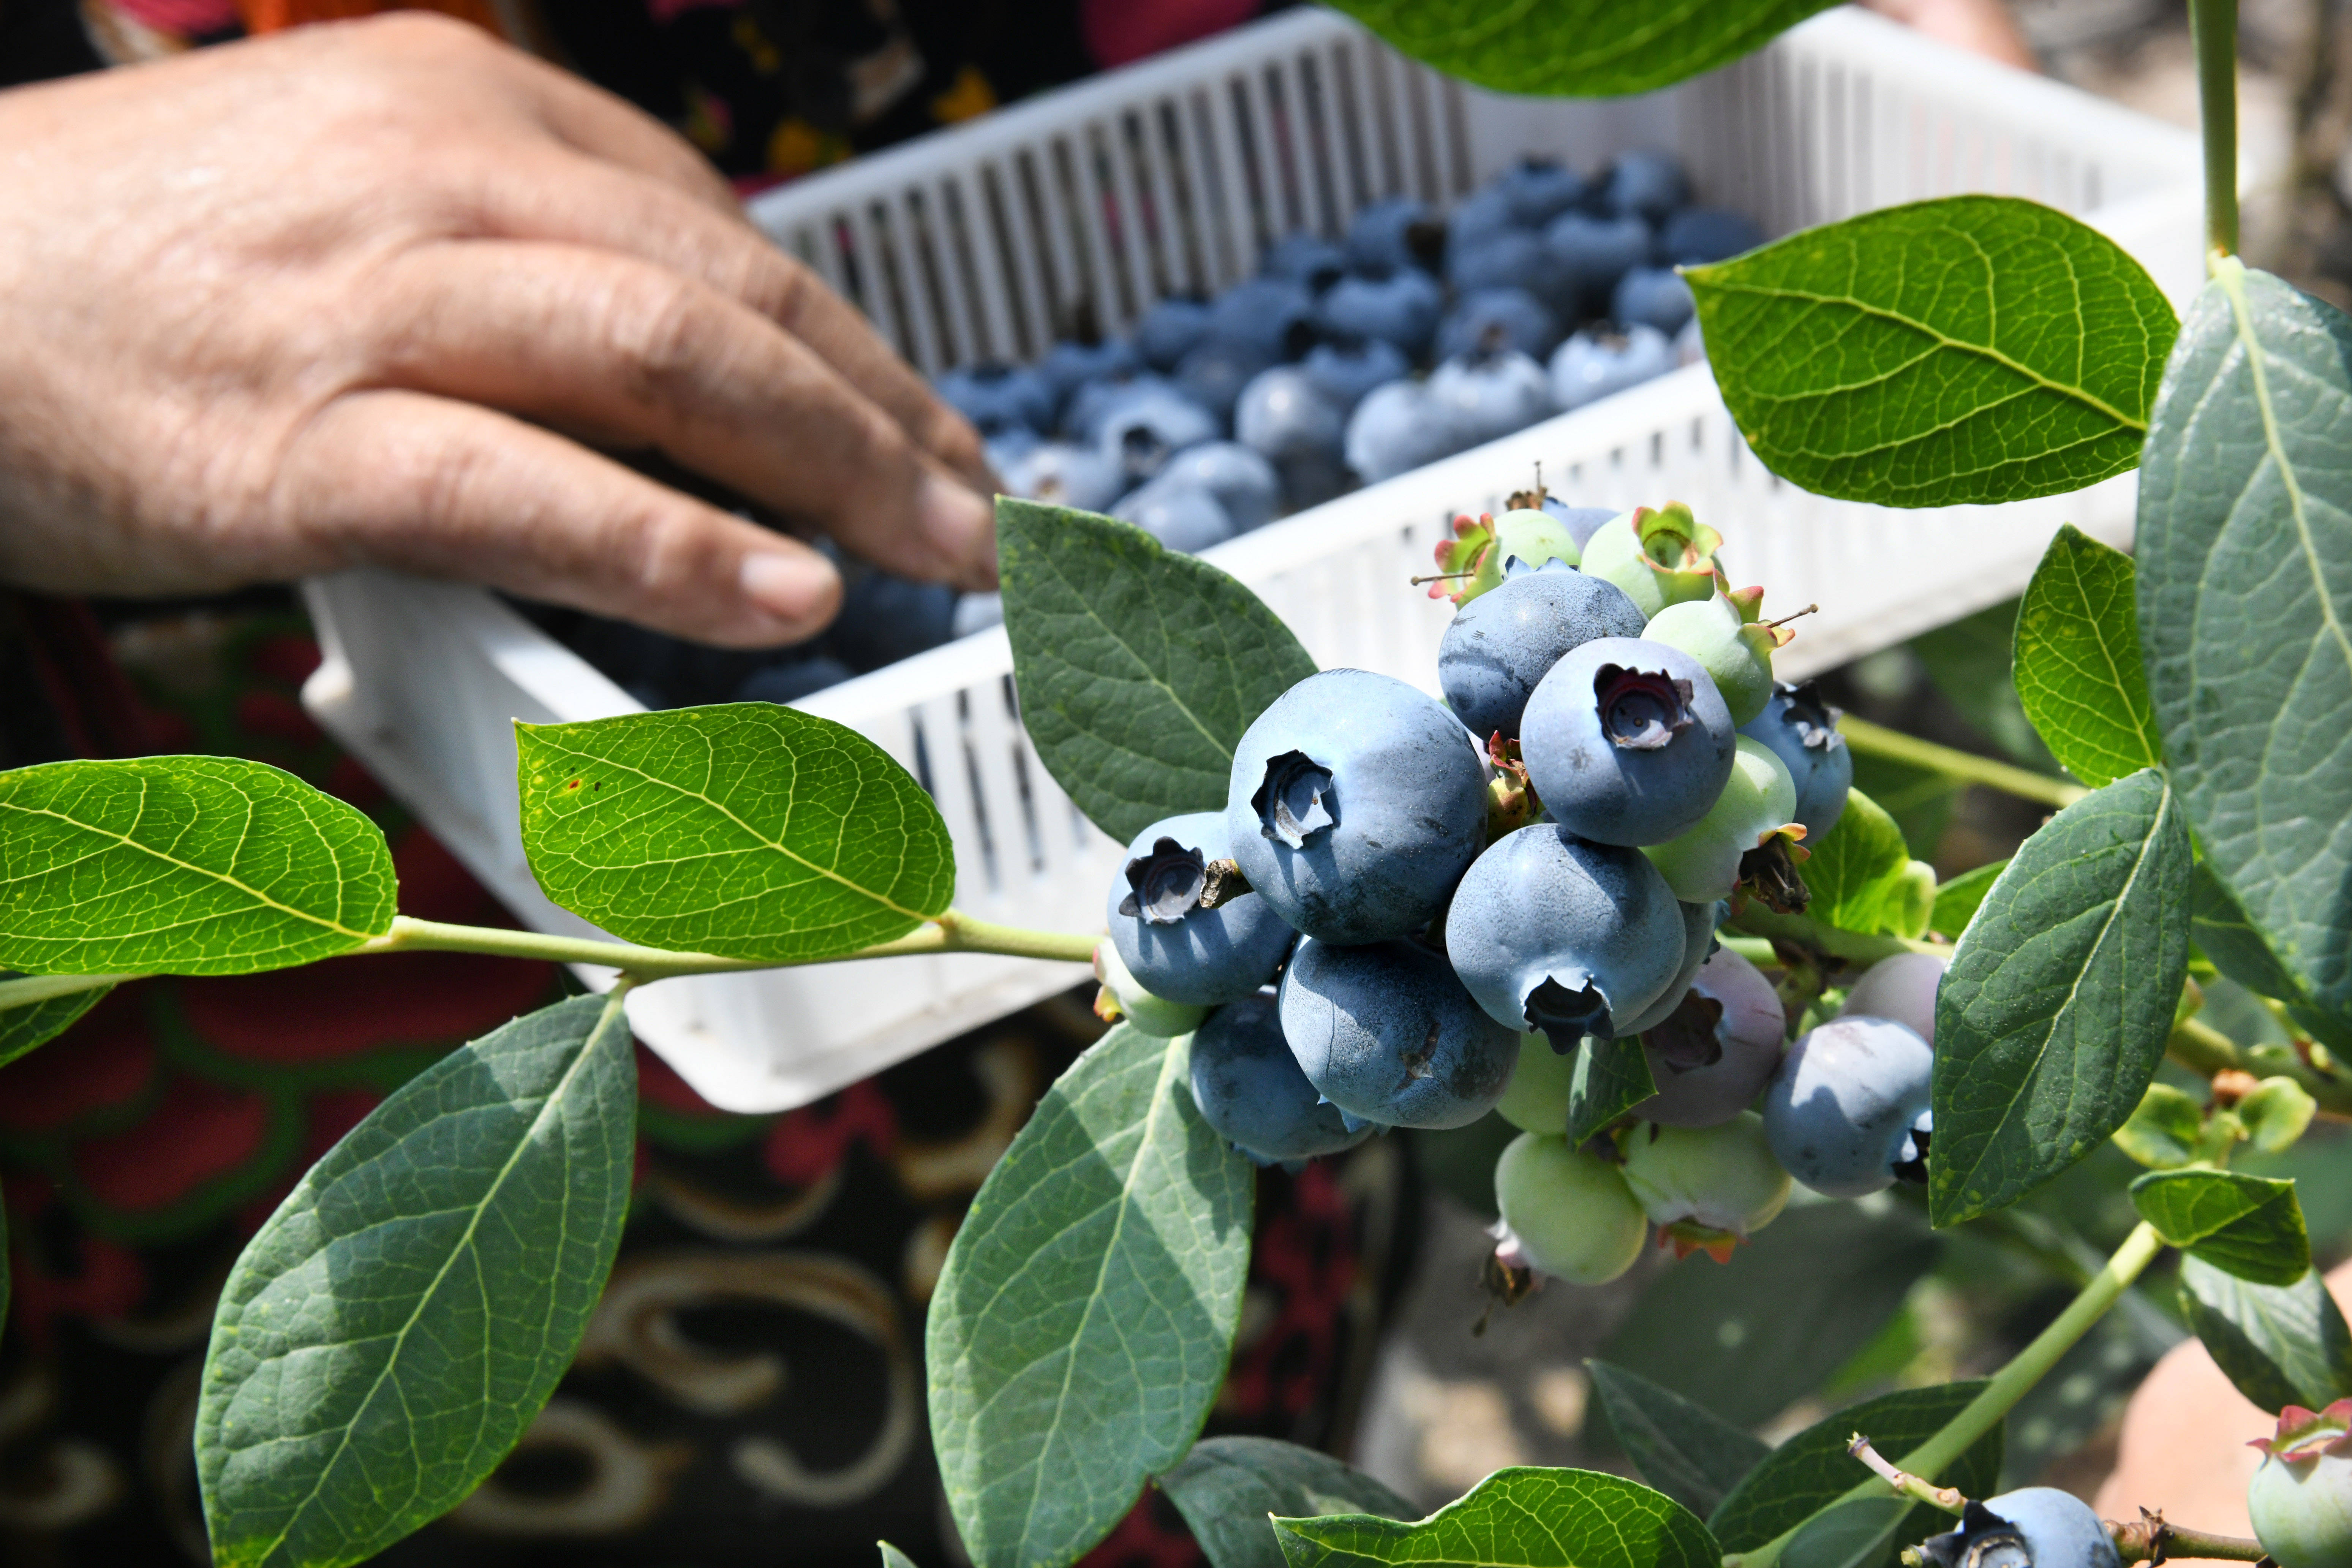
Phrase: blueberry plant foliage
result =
(396, 1325)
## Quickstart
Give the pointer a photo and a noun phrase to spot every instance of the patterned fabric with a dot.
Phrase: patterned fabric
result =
(754, 1376)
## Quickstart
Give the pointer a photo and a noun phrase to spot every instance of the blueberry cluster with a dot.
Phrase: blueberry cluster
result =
(1218, 413)
(1411, 911)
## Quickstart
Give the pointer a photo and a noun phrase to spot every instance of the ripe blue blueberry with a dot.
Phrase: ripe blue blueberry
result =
(1354, 806)
(1063, 474)
(1143, 430)
(1581, 522)
(1699, 921)
(996, 396)
(1593, 252)
(1272, 315)
(1251, 1093)
(1646, 185)
(1009, 446)
(1510, 258)
(1717, 1049)
(1477, 218)
(1286, 417)
(1308, 258)
(1505, 641)
(1398, 427)
(1070, 364)
(1499, 318)
(1697, 236)
(1183, 518)
(1244, 482)
(1597, 361)
(1538, 190)
(1213, 375)
(2032, 1527)
(1168, 942)
(1083, 414)
(1563, 937)
(1627, 742)
(1399, 307)
(1172, 329)
(1847, 1112)
(1345, 370)
(1801, 730)
(1386, 1032)
(1399, 232)
(1655, 297)
(1491, 394)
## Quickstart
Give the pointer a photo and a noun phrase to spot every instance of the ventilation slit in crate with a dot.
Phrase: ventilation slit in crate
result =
(982, 818)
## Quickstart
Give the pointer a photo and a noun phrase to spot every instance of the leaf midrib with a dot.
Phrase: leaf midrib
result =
(1943, 339)
(612, 1009)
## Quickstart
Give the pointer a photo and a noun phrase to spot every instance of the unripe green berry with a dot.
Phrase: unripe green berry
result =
(2301, 1498)
(1531, 537)
(1702, 864)
(1735, 655)
(1705, 1186)
(1536, 1101)
(1151, 1015)
(1570, 1213)
(1659, 556)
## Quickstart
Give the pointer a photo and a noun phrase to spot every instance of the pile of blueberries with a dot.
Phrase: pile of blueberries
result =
(1217, 415)
(1412, 912)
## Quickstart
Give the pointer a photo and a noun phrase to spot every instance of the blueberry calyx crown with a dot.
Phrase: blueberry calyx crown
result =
(1691, 1035)
(2309, 1434)
(1984, 1540)
(1294, 803)
(1812, 717)
(1564, 1016)
(1770, 871)
(1165, 885)
(1641, 710)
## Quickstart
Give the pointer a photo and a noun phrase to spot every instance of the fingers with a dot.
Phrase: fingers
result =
(632, 354)
(590, 203)
(402, 480)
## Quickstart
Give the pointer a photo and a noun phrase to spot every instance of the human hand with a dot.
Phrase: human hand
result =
(357, 294)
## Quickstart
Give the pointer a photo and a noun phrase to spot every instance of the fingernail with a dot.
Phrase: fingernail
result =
(792, 587)
(957, 524)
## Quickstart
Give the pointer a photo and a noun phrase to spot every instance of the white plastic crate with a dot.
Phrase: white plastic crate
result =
(1170, 176)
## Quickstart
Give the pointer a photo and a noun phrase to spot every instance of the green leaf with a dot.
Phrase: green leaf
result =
(395, 1326)
(1577, 48)
(2218, 926)
(1080, 1327)
(1854, 1534)
(1966, 349)
(1812, 1469)
(1746, 1338)
(1611, 1078)
(2281, 1344)
(2162, 1131)
(2078, 667)
(1227, 1488)
(1686, 1451)
(40, 1019)
(2245, 609)
(1519, 1518)
(1856, 872)
(2276, 1114)
(893, 1558)
(2248, 1225)
(183, 866)
(746, 830)
(1957, 900)
(1138, 669)
(1919, 799)
(2052, 1017)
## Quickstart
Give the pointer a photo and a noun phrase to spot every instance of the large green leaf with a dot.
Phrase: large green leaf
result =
(1686, 1450)
(1746, 1338)
(37, 1020)
(1227, 1489)
(395, 1326)
(2078, 667)
(2218, 926)
(1610, 1077)
(1964, 349)
(2052, 1017)
(1814, 1470)
(1519, 1518)
(1578, 49)
(1856, 1534)
(1080, 1328)
(2245, 608)
(1957, 900)
(747, 830)
(1857, 868)
(1138, 669)
(183, 866)
(2247, 1226)
(2281, 1344)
